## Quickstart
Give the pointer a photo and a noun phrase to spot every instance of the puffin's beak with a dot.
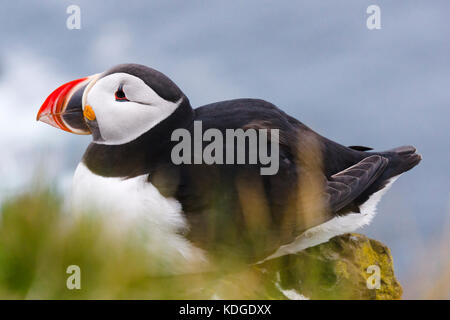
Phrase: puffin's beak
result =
(63, 108)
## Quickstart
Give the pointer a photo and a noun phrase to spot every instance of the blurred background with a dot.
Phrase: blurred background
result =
(315, 60)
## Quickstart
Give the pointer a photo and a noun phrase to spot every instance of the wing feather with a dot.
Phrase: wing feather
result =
(342, 188)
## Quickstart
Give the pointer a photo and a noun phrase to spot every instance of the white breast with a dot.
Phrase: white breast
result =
(137, 205)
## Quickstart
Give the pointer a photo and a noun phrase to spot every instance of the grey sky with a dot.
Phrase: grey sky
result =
(315, 60)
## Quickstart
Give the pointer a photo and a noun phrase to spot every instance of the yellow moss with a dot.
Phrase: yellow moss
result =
(338, 270)
(341, 269)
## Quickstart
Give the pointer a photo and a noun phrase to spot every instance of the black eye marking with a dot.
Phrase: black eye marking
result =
(120, 95)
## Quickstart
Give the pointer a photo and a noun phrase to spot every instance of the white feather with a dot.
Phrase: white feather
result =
(334, 227)
(135, 204)
(291, 294)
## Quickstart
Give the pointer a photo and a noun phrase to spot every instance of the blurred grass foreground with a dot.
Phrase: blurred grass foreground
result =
(39, 241)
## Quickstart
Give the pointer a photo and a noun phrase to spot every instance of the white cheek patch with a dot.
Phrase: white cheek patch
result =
(120, 122)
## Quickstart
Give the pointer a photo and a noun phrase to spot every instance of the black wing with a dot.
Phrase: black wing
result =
(344, 187)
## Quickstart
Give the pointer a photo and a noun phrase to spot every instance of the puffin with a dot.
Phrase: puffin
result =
(214, 211)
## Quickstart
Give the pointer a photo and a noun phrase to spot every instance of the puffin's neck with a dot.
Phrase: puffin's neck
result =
(141, 155)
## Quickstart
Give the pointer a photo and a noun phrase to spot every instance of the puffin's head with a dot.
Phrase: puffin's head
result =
(116, 106)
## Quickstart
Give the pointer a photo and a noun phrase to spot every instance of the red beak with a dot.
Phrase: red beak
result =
(63, 107)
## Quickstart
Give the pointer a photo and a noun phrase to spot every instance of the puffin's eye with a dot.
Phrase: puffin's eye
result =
(120, 95)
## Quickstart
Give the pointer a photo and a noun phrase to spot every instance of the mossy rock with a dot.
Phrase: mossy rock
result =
(337, 269)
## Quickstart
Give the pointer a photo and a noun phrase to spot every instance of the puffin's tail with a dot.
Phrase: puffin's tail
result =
(401, 159)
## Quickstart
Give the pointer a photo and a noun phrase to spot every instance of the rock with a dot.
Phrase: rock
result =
(337, 269)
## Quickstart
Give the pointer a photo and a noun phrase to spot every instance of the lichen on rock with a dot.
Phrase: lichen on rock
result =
(337, 269)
